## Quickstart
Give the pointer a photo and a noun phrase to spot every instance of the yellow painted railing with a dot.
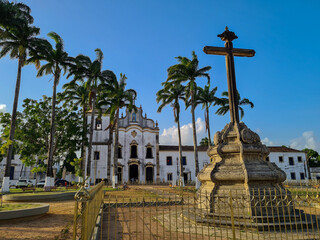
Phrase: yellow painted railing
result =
(87, 207)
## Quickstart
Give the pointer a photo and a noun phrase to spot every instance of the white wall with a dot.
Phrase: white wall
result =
(297, 168)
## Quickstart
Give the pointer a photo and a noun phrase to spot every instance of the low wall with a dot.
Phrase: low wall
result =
(39, 197)
(5, 215)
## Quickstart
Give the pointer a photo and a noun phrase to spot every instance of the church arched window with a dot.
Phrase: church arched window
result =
(134, 152)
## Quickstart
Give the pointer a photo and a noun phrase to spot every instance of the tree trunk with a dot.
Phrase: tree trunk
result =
(52, 127)
(194, 135)
(208, 125)
(93, 109)
(180, 151)
(109, 153)
(13, 118)
(84, 135)
(115, 145)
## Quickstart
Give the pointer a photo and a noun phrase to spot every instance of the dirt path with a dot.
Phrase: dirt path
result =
(56, 224)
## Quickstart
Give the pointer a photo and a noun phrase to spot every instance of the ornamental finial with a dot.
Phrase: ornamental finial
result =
(227, 35)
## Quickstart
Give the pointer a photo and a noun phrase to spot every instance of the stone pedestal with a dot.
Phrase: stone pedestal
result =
(238, 167)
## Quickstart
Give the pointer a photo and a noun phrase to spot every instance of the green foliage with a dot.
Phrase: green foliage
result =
(205, 142)
(313, 157)
(33, 128)
(76, 163)
(224, 104)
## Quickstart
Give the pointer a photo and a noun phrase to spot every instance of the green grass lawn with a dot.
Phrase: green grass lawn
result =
(38, 190)
(17, 206)
(41, 193)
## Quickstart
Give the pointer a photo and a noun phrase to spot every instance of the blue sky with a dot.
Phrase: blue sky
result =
(141, 38)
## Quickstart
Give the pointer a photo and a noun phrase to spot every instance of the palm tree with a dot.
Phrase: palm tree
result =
(224, 103)
(57, 61)
(206, 97)
(14, 15)
(19, 42)
(171, 94)
(120, 97)
(187, 71)
(96, 78)
(79, 94)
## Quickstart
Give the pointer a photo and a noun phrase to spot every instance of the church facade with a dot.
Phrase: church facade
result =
(141, 158)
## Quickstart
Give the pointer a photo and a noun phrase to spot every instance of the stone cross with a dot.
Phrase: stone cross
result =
(229, 52)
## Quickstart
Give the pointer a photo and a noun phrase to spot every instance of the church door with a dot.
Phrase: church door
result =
(133, 173)
(149, 174)
(119, 174)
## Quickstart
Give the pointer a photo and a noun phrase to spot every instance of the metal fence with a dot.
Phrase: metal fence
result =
(86, 211)
(172, 213)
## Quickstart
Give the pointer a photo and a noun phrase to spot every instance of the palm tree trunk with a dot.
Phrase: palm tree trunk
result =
(84, 134)
(180, 151)
(52, 127)
(208, 125)
(194, 135)
(109, 153)
(115, 145)
(93, 108)
(13, 118)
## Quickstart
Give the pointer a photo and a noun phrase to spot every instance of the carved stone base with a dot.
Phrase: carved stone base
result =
(239, 172)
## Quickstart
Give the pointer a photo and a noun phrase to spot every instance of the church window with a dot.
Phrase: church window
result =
(293, 176)
(280, 159)
(291, 162)
(134, 117)
(184, 161)
(169, 160)
(134, 153)
(149, 152)
(169, 176)
(96, 155)
(98, 124)
(119, 152)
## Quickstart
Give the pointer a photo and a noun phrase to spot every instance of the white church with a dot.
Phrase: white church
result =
(143, 160)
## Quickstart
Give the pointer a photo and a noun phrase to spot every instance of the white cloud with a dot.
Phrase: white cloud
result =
(169, 136)
(267, 142)
(307, 140)
(3, 107)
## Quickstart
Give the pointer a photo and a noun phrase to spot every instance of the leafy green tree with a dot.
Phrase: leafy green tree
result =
(19, 42)
(79, 95)
(57, 60)
(116, 93)
(188, 71)
(313, 159)
(224, 104)
(205, 142)
(171, 94)
(95, 77)
(206, 97)
(36, 130)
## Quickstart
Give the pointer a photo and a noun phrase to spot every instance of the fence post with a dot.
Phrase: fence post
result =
(232, 217)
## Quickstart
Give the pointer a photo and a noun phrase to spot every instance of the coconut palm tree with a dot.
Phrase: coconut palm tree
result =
(187, 71)
(224, 104)
(171, 94)
(57, 61)
(206, 97)
(19, 42)
(95, 77)
(119, 97)
(79, 94)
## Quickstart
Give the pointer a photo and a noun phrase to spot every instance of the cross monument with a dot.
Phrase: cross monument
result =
(230, 52)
